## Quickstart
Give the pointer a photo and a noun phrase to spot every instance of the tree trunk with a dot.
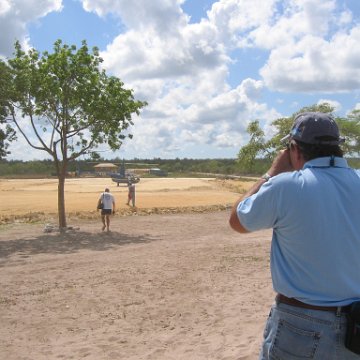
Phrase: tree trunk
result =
(61, 201)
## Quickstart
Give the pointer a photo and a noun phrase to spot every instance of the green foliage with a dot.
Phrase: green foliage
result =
(202, 166)
(18, 168)
(174, 167)
(259, 147)
(70, 105)
(183, 167)
(350, 129)
(6, 132)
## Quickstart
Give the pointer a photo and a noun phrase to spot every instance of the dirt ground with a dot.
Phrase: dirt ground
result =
(165, 286)
(21, 197)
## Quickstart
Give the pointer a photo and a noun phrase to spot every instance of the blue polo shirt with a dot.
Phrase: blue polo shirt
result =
(315, 216)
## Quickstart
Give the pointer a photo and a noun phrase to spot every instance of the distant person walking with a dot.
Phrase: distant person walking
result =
(131, 193)
(106, 204)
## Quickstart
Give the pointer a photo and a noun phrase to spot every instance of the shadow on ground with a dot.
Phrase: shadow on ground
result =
(68, 243)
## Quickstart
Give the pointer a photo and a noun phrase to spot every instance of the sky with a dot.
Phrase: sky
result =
(206, 68)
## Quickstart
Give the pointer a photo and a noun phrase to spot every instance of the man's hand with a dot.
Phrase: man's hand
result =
(282, 163)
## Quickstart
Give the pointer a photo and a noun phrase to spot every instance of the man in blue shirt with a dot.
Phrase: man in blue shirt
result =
(310, 197)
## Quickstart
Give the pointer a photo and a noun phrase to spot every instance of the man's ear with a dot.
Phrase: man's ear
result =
(297, 158)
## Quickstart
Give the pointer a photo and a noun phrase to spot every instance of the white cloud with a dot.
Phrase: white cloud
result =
(316, 65)
(345, 17)
(183, 74)
(5, 6)
(15, 15)
(182, 68)
(278, 23)
(163, 16)
(311, 50)
(313, 16)
(148, 55)
(234, 18)
(174, 122)
(183, 77)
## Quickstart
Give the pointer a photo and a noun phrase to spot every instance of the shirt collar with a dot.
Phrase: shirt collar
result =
(325, 162)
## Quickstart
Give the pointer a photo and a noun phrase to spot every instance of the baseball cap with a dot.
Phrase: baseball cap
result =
(315, 128)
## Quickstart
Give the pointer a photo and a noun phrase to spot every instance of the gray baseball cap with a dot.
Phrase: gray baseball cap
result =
(315, 128)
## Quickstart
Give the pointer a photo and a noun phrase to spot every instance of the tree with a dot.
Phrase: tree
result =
(6, 132)
(69, 104)
(350, 129)
(259, 147)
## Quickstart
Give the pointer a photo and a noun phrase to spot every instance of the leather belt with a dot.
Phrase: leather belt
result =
(297, 303)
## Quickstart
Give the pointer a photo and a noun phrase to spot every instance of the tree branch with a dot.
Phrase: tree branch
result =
(44, 148)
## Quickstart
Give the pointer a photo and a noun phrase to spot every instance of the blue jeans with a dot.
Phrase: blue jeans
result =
(293, 333)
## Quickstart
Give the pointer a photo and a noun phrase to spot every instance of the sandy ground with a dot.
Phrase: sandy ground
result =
(24, 196)
(165, 286)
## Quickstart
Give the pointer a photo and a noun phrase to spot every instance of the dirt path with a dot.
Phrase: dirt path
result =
(180, 286)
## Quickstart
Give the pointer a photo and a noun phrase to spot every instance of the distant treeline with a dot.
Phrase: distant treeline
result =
(211, 166)
(176, 167)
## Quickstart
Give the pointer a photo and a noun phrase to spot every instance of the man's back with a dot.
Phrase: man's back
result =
(107, 199)
(316, 240)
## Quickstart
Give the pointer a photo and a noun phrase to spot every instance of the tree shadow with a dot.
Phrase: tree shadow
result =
(68, 243)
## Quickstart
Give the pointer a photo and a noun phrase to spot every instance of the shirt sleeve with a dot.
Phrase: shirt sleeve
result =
(260, 211)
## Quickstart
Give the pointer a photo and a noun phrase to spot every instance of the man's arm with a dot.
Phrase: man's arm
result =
(281, 163)
(234, 220)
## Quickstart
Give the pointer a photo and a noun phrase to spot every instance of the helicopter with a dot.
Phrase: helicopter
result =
(123, 177)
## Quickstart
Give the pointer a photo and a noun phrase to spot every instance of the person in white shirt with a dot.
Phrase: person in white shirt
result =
(108, 207)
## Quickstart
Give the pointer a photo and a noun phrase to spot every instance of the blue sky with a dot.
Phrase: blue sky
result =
(206, 68)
